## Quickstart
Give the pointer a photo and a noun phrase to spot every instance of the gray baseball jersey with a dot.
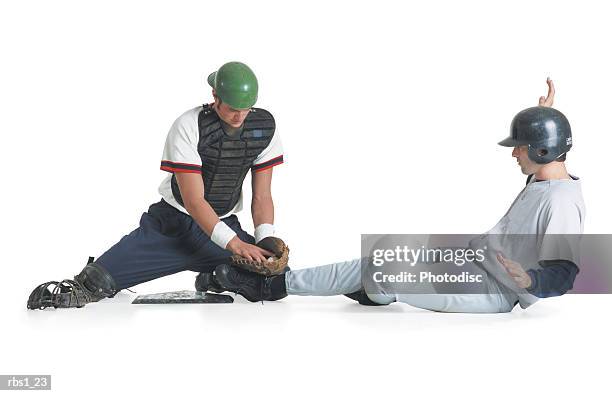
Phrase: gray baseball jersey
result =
(543, 223)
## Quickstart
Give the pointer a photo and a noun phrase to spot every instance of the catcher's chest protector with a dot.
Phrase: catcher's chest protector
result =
(227, 159)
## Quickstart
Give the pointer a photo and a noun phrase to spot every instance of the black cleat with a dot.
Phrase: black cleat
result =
(362, 298)
(252, 286)
(206, 282)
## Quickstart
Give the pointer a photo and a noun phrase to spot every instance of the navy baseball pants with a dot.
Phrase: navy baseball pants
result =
(168, 241)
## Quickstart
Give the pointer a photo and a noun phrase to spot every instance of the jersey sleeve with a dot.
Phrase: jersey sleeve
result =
(181, 149)
(555, 278)
(562, 232)
(270, 156)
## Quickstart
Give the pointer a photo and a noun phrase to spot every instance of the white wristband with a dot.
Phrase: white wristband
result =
(263, 231)
(222, 234)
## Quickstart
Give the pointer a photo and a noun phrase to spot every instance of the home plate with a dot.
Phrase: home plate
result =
(183, 297)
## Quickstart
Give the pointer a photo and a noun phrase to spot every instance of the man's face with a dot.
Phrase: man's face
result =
(233, 117)
(528, 167)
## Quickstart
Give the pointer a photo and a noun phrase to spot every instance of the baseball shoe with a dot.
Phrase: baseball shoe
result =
(252, 286)
(205, 281)
(362, 298)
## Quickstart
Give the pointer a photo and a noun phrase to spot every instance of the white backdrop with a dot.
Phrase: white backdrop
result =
(389, 114)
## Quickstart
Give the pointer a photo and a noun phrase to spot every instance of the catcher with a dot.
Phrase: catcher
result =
(208, 152)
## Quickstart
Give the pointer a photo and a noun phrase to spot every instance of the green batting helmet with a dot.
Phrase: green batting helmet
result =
(235, 84)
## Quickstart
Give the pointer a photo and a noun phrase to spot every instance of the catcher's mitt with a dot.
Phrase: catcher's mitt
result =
(274, 265)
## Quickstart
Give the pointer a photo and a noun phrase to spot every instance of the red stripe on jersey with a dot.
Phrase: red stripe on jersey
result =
(267, 167)
(177, 170)
(265, 164)
(181, 163)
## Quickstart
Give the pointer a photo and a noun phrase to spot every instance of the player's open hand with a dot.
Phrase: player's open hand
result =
(550, 97)
(248, 251)
(516, 271)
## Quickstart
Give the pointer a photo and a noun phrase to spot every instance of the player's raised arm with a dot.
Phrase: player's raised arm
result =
(550, 96)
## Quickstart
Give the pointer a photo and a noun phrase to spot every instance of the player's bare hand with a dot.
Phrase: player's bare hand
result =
(247, 250)
(516, 271)
(550, 97)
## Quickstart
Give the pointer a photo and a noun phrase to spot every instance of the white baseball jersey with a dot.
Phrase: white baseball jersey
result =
(181, 155)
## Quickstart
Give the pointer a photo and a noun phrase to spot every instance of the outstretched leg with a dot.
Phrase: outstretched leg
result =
(346, 278)
(166, 242)
(327, 280)
(458, 303)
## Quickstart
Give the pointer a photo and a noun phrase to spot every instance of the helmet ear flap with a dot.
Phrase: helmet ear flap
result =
(542, 155)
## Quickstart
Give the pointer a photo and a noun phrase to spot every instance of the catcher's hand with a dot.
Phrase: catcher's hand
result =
(273, 265)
